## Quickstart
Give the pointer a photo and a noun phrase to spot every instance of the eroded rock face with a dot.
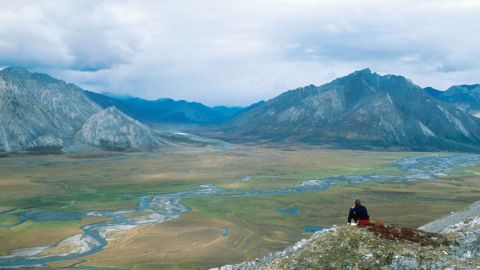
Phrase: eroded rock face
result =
(38, 111)
(465, 97)
(111, 129)
(361, 110)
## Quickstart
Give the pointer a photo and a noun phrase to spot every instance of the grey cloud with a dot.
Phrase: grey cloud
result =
(237, 52)
(85, 35)
(458, 62)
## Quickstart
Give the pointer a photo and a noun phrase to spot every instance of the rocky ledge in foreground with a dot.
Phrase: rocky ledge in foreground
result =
(455, 246)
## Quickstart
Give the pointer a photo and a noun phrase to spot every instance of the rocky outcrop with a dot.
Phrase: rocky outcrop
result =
(111, 129)
(454, 244)
(38, 111)
(450, 221)
(361, 110)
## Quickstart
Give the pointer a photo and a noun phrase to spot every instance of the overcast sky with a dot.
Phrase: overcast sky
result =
(238, 52)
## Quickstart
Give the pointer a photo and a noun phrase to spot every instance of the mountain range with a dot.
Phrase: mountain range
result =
(465, 97)
(363, 110)
(166, 110)
(41, 113)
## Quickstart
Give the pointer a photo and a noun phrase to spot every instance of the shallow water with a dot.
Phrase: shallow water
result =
(44, 216)
(291, 211)
(312, 228)
(165, 207)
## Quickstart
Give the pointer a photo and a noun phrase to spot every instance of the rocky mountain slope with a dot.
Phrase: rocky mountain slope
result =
(453, 244)
(361, 110)
(38, 111)
(111, 129)
(165, 110)
(464, 97)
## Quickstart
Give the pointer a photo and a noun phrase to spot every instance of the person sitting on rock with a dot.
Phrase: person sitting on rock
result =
(359, 214)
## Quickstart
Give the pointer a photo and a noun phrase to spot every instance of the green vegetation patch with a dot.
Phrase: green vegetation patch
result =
(40, 233)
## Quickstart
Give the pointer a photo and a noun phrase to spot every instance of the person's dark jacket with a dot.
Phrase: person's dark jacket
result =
(359, 212)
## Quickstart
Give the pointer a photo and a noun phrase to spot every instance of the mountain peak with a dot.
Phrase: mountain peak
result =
(15, 71)
(361, 110)
(374, 79)
(364, 75)
(365, 71)
(111, 129)
(20, 73)
(114, 112)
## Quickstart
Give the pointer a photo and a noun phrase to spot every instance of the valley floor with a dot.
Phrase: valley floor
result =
(259, 207)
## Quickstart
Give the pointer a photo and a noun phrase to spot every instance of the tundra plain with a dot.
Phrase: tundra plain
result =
(214, 230)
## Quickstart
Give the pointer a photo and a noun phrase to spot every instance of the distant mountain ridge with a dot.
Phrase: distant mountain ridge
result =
(166, 110)
(43, 114)
(363, 110)
(360, 110)
(465, 97)
(227, 112)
